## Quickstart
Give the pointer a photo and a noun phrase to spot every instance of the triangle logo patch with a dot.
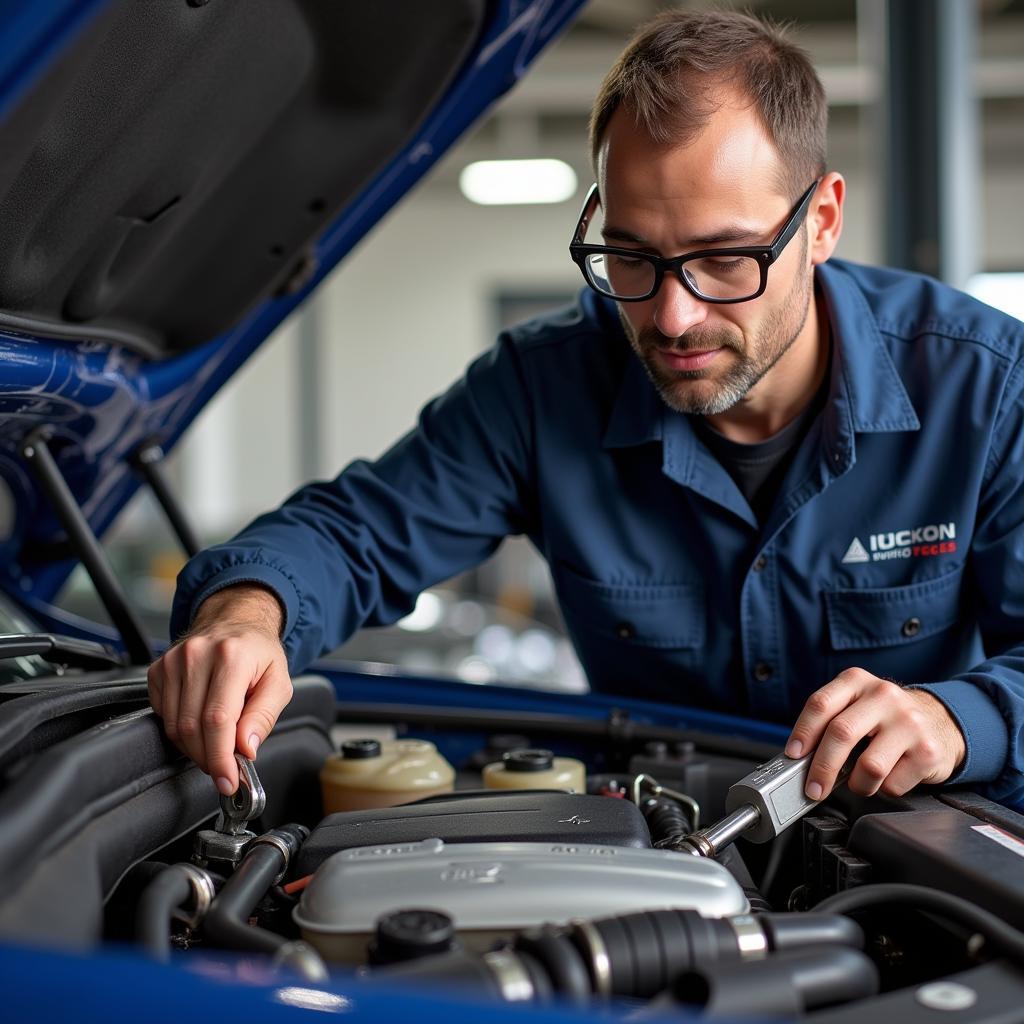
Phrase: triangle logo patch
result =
(855, 552)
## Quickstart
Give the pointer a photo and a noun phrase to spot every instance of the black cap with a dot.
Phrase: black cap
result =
(529, 759)
(359, 749)
(409, 934)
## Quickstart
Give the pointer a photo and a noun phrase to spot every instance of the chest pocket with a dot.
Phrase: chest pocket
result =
(665, 616)
(892, 616)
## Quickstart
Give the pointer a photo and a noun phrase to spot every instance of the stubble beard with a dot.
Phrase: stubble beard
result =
(779, 330)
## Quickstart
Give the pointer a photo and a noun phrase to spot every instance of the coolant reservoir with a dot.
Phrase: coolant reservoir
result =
(530, 768)
(371, 773)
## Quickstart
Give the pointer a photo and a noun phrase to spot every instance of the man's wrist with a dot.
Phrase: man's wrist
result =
(951, 736)
(249, 604)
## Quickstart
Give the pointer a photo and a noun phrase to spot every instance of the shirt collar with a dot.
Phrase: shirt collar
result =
(878, 401)
(866, 394)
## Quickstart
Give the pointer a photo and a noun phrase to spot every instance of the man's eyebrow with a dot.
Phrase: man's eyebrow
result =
(727, 236)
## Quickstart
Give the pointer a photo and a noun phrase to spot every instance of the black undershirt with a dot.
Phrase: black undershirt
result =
(759, 469)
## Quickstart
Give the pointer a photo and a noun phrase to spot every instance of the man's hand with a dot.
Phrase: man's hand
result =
(913, 737)
(223, 685)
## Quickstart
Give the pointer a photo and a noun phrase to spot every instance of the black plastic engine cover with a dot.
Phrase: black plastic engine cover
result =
(947, 849)
(540, 816)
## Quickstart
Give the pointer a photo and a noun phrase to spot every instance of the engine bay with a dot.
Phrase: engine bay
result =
(517, 857)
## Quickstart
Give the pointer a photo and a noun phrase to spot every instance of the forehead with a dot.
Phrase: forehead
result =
(730, 164)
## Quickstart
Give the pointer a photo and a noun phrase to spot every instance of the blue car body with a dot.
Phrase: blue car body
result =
(99, 397)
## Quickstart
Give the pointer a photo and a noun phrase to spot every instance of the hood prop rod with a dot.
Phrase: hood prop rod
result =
(148, 462)
(37, 454)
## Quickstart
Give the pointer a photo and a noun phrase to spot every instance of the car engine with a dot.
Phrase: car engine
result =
(525, 858)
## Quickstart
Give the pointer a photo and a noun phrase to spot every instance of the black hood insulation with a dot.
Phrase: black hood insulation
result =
(176, 165)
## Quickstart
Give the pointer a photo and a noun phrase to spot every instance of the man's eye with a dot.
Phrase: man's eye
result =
(626, 262)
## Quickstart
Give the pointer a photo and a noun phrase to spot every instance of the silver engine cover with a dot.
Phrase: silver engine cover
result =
(493, 889)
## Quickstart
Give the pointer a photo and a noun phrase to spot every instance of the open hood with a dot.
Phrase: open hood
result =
(175, 177)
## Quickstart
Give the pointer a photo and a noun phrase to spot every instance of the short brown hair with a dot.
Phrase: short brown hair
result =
(666, 74)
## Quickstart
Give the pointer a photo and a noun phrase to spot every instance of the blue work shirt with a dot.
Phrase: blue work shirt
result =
(895, 544)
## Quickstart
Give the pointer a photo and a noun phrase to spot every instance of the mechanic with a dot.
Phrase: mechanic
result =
(766, 482)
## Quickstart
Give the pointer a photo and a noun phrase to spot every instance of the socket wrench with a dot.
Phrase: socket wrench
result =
(762, 804)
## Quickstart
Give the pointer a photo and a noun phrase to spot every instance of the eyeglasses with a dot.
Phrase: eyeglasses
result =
(735, 274)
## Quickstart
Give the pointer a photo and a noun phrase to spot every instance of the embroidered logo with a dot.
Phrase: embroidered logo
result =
(855, 552)
(920, 542)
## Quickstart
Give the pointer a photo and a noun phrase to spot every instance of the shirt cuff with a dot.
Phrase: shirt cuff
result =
(986, 733)
(192, 593)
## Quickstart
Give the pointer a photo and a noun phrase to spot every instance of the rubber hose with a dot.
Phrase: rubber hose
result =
(785, 983)
(647, 949)
(226, 922)
(797, 931)
(471, 973)
(168, 891)
(665, 819)
(996, 932)
(560, 959)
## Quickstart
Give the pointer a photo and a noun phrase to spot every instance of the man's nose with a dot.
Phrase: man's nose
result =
(675, 309)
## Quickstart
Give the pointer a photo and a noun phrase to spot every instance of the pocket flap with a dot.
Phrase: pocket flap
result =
(887, 616)
(663, 615)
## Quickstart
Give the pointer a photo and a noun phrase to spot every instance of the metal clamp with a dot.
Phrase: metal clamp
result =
(511, 976)
(599, 961)
(751, 940)
(203, 892)
(655, 788)
(282, 847)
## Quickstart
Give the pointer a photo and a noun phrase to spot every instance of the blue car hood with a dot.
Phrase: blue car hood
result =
(174, 179)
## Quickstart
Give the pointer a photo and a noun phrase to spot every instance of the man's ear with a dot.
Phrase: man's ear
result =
(825, 218)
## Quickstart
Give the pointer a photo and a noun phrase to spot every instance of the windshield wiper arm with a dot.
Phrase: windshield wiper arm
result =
(59, 650)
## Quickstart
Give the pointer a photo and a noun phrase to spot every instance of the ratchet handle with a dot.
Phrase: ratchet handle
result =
(775, 790)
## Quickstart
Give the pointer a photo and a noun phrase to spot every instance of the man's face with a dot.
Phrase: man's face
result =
(720, 189)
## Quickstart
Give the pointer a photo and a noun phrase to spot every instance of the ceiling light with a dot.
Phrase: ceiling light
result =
(504, 182)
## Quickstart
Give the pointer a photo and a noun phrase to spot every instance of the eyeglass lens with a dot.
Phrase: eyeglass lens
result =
(714, 277)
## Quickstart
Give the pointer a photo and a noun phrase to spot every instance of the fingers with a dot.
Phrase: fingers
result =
(170, 688)
(913, 738)
(876, 764)
(841, 736)
(903, 778)
(216, 692)
(821, 707)
(193, 681)
(155, 681)
(230, 678)
(265, 702)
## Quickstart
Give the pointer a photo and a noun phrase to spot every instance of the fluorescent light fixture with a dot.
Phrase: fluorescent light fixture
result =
(507, 182)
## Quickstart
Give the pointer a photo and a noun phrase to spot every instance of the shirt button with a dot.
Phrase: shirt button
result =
(760, 564)
(911, 627)
(625, 631)
(763, 671)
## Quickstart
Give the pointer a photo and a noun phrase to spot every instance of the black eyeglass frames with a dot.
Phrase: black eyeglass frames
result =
(733, 274)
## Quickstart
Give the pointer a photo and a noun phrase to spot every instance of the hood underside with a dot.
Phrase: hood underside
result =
(176, 164)
(175, 177)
